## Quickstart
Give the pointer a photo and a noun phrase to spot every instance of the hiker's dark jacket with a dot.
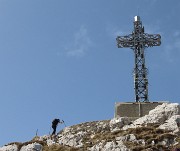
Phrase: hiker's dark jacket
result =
(55, 122)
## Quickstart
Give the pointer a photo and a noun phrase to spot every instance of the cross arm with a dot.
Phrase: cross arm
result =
(151, 40)
(125, 41)
(147, 40)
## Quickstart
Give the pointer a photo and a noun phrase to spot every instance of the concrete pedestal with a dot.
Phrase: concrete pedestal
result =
(135, 109)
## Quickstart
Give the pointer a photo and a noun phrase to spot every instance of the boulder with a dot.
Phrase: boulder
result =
(158, 115)
(33, 146)
(172, 124)
(9, 148)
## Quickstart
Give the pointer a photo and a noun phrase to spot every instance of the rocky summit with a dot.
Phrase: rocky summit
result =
(157, 131)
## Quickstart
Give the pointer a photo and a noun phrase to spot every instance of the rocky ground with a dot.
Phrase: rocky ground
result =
(157, 131)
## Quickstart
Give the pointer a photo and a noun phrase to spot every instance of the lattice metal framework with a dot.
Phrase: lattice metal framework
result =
(138, 41)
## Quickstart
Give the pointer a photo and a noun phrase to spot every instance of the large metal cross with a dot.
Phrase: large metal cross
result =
(138, 41)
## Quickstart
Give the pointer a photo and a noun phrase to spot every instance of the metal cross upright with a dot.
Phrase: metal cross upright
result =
(138, 41)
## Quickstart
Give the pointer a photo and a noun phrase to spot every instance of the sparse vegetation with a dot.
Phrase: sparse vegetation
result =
(20, 145)
(152, 137)
(57, 147)
(54, 147)
(147, 137)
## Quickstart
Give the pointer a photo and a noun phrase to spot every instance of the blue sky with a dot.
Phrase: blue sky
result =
(58, 58)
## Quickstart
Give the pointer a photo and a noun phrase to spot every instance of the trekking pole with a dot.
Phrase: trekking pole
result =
(50, 131)
(64, 123)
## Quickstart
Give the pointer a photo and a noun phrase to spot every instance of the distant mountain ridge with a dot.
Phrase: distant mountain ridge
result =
(157, 131)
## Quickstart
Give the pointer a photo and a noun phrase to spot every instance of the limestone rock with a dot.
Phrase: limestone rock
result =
(158, 115)
(110, 146)
(172, 124)
(9, 148)
(33, 146)
(49, 140)
(118, 123)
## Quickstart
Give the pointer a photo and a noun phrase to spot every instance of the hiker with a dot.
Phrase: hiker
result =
(54, 125)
